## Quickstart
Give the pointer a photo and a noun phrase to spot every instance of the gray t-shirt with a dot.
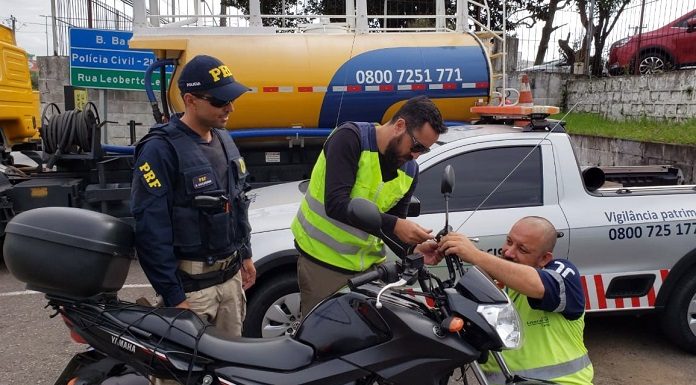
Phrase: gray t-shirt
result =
(215, 154)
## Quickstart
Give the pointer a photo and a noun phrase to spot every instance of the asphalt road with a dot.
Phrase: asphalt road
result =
(34, 348)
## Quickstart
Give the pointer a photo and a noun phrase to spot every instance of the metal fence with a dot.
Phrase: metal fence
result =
(97, 14)
(638, 39)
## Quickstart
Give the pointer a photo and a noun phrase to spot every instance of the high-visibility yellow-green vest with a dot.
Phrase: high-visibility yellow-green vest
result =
(339, 244)
(553, 348)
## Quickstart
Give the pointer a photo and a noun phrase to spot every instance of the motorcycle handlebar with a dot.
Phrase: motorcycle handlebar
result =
(387, 272)
(364, 278)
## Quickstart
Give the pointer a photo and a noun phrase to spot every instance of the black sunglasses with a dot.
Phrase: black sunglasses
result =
(417, 147)
(215, 102)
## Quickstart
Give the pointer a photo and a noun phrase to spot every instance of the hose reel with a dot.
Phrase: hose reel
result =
(71, 132)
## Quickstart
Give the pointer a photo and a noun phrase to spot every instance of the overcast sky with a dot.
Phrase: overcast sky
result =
(31, 31)
(33, 37)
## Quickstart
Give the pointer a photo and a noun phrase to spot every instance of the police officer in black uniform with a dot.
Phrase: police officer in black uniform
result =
(190, 205)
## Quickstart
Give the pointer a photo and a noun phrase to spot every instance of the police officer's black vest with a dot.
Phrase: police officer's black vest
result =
(206, 233)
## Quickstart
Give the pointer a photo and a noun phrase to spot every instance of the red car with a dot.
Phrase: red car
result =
(669, 47)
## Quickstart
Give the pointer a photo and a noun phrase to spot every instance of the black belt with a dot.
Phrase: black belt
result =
(203, 281)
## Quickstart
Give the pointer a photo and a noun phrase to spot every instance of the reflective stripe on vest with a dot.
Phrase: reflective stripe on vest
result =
(337, 243)
(546, 372)
(318, 208)
(324, 238)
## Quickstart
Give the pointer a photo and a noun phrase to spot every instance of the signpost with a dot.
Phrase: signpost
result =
(102, 59)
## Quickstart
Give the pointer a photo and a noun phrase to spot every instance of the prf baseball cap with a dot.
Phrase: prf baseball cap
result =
(207, 75)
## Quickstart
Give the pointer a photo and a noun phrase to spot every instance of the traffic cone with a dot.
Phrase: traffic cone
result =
(526, 99)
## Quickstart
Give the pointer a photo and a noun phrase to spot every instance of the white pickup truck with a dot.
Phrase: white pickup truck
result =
(634, 246)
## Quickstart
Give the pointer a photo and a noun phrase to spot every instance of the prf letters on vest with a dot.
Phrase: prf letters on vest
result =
(149, 176)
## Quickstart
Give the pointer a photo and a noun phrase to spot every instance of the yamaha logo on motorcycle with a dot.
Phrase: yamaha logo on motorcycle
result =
(123, 344)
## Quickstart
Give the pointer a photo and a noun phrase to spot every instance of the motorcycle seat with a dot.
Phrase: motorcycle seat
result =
(280, 353)
(186, 328)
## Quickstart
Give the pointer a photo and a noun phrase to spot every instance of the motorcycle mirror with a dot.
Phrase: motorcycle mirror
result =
(414, 207)
(365, 214)
(447, 185)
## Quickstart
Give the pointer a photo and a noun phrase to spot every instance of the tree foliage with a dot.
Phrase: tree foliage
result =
(272, 7)
(602, 21)
(546, 12)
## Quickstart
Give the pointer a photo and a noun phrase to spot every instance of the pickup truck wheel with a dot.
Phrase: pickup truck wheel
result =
(679, 319)
(275, 308)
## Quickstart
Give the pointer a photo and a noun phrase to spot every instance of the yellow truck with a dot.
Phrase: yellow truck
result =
(86, 178)
(19, 104)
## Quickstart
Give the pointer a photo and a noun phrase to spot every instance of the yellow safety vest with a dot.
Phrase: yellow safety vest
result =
(339, 244)
(553, 348)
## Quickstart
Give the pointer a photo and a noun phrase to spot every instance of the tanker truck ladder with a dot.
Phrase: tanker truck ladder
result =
(493, 41)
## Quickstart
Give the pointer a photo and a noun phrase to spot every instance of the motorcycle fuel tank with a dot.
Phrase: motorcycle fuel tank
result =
(343, 324)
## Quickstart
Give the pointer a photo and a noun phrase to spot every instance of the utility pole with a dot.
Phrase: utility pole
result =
(89, 14)
(640, 36)
(590, 32)
(46, 31)
(14, 24)
(54, 28)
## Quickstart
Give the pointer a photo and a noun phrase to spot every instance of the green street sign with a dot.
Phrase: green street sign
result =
(112, 79)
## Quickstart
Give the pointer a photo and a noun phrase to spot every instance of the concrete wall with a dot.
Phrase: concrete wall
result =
(596, 151)
(122, 106)
(548, 89)
(668, 96)
(671, 96)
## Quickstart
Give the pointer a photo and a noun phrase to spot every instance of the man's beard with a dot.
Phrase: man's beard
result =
(392, 156)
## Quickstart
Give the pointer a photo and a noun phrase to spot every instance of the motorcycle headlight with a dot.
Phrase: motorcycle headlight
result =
(506, 322)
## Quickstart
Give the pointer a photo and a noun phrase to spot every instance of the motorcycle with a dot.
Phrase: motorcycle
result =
(377, 330)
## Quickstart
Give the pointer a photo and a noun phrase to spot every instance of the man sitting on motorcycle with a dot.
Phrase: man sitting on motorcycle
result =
(548, 296)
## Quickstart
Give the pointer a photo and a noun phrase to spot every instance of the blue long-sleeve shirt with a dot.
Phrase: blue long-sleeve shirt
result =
(151, 204)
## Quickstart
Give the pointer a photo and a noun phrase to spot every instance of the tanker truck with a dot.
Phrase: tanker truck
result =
(309, 80)
(19, 104)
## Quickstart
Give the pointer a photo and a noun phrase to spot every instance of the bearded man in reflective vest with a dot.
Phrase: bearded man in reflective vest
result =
(548, 295)
(375, 162)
